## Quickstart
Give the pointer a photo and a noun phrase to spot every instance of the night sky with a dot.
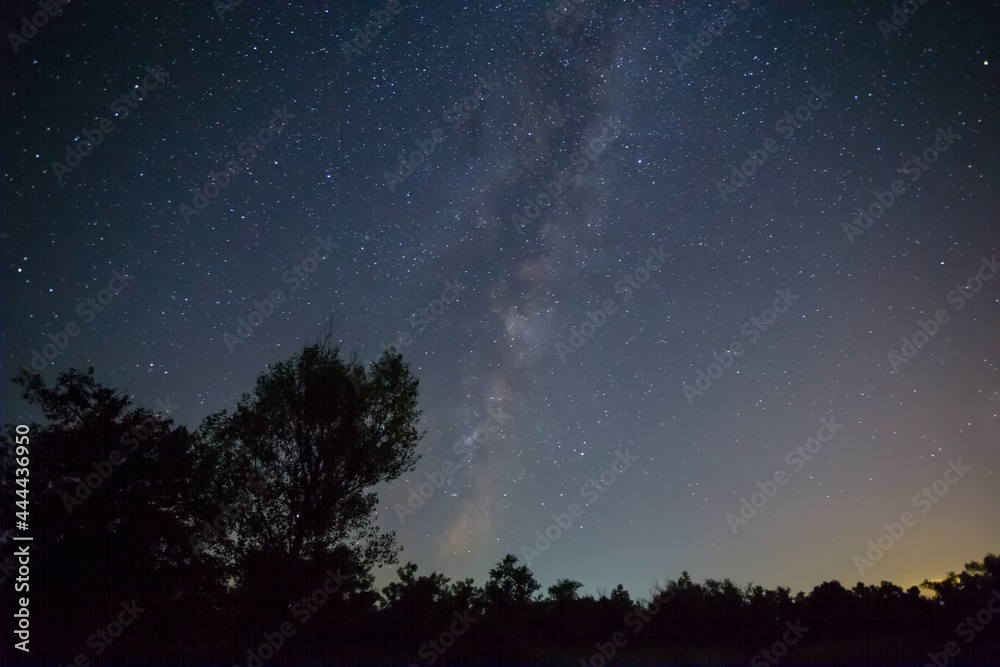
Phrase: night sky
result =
(561, 171)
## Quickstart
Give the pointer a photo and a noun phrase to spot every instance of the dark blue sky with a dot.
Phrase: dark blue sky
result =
(551, 163)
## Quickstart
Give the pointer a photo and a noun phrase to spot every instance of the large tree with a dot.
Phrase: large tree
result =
(316, 436)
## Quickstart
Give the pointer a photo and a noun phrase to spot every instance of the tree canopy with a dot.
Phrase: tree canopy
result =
(319, 433)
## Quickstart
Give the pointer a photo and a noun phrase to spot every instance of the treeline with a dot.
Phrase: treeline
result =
(252, 540)
(683, 622)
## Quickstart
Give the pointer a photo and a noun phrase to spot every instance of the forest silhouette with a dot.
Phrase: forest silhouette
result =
(252, 540)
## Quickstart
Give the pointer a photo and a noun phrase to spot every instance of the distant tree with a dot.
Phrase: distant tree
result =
(889, 591)
(620, 597)
(564, 590)
(970, 587)
(946, 590)
(830, 591)
(510, 584)
(754, 593)
(466, 596)
(413, 594)
(415, 607)
(731, 593)
(829, 606)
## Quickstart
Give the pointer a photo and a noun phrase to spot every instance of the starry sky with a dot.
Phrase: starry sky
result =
(484, 184)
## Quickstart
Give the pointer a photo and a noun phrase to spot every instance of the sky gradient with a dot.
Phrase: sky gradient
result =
(680, 183)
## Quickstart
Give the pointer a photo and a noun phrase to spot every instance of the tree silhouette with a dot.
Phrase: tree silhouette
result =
(318, 433)
(564, 590)
(294, 466)
(510, 585)
(466, 596)
(113, 493)
(120, 501)
(969, 587)
(620, 597)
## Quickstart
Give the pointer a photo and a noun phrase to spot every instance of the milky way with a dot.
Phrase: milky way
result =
(728, 243)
